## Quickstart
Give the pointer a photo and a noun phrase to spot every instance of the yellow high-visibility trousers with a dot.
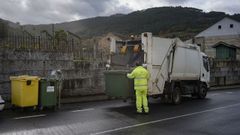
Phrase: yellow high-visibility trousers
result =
(141, 101)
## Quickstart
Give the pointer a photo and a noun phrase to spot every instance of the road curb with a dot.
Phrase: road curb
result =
(102, 97)
(224, 87)
(70, 100)
(84, 99)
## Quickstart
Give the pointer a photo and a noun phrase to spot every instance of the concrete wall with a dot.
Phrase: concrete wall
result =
(207, 43)
(81, 77)
(225, 72)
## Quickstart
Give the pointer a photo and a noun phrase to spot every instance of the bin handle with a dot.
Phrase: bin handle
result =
(29, 82)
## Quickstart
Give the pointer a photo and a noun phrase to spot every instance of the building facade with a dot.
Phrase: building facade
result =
(221, 42)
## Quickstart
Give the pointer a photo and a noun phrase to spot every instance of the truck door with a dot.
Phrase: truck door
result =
(205, 69)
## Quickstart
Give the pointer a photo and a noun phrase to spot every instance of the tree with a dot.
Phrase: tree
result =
(60, 35)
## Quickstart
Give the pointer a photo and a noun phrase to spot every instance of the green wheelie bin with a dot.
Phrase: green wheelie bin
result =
(48, 93)
(118, 85)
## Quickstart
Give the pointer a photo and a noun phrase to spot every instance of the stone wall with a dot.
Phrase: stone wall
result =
(206, 43)
(225, 72)
(81, 77)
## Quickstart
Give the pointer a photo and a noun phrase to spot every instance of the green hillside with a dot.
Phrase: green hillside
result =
(164, 21)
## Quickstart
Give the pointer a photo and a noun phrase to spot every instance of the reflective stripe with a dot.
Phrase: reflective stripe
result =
(140, 78)
(141, 85)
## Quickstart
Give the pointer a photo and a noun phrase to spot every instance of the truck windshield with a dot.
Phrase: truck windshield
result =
(206, 63)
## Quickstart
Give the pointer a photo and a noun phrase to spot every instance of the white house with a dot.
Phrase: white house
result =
(221, 40)
(224, 27)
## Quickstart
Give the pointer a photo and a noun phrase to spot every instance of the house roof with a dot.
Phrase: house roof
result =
(224, 30)
(225, 44)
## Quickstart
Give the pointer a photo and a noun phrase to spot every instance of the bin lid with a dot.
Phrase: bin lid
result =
(24, 77)
(48, 79)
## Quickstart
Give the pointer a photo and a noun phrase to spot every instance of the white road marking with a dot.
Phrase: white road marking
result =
(32, 116)
(166, 119)
(229, 92)
(83, 110)
(214, 94)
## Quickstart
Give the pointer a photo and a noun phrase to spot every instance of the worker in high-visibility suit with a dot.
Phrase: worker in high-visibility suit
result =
(140, 76)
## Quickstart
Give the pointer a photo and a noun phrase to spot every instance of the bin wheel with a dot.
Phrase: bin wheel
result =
(41, 108)
(34, 108)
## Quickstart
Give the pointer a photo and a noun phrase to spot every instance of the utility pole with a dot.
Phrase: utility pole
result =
(53, 34)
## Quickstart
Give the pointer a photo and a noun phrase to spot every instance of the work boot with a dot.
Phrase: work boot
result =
(146, 111)
(139, 111)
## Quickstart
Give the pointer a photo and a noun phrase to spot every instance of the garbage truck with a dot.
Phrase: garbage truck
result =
(176, 68)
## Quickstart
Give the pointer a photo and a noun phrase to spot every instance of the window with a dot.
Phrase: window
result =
(206, 63)
(231, 25)
(224, 52)
(219, 27)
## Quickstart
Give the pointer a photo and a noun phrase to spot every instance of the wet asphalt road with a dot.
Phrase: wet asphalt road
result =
(218, 114)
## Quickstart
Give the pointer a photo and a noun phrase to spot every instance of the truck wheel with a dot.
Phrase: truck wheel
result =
(194, 95)
(176, 96)
(166, 98)
(202, 92)
(163, 98)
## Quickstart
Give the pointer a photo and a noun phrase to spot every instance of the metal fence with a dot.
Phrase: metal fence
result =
(39, 44)
(82, 50)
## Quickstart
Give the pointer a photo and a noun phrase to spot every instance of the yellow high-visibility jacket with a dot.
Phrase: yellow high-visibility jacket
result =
(140, 76)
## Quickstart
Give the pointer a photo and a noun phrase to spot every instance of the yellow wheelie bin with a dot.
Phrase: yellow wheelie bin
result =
(24, 91)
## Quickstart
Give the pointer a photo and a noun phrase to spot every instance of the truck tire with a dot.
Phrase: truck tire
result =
(202, 92)
(166, 98)
(194, 95)
(176, 96)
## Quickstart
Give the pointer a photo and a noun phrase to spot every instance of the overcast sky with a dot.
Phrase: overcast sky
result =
(55, 11)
